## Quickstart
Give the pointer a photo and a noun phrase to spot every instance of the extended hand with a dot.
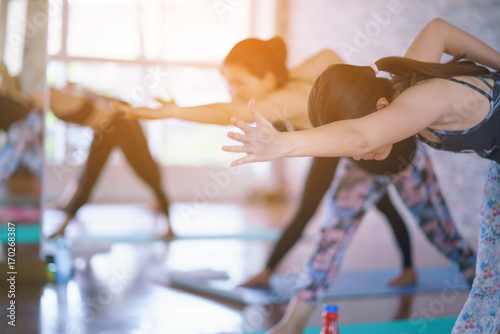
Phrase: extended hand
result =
(260, 143)
(121, 108)
(166, 110)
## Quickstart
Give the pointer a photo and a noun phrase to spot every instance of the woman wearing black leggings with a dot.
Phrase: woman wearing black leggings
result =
(110, 131)
(319, 179)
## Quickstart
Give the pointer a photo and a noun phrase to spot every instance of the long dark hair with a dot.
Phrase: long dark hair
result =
(259, 57)
(346, 91)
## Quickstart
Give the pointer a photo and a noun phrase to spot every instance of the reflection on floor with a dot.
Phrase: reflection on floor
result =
(121, 287)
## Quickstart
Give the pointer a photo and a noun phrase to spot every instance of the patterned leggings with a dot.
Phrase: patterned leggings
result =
(481, 312)
(23, 147)
(353, 192)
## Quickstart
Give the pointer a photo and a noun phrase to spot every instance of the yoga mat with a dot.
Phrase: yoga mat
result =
(25, 233)
(407, 326)
(348, 285)
(265, 235)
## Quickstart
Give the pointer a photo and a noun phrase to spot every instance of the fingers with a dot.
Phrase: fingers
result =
(122, 109)
(235, 149)
(118, 106)
(124, 112)
(240, 124)
(160, 100)
(238, 137)
(259, 119)
(241, 161)
(164, 102)
(251, 106)
(239, 149)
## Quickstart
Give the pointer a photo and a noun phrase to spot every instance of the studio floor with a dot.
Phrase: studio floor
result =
(121, 285)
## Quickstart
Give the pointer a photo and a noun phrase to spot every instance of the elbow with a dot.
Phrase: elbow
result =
(435, 26)
(437, 21)
(362, 145)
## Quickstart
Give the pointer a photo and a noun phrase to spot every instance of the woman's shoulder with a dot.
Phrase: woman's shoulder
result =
(313, 66)
(293, 88)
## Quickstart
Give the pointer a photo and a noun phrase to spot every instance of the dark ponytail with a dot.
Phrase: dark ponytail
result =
(260, 57)
(346, 91)
(406, 72)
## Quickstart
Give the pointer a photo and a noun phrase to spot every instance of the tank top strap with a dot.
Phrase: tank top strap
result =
(486, 83)
(472, 86)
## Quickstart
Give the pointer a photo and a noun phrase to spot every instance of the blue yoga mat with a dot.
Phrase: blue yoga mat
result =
(24, 233)
(348, 285)
(407, 326)
(265, 235)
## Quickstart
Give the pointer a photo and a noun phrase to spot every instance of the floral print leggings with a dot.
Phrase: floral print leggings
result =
(23, 147)
(353, 192)
(481, 312)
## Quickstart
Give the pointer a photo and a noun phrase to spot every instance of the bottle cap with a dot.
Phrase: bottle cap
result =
(330, 308)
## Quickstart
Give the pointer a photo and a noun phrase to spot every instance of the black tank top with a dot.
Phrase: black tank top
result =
(484, 138)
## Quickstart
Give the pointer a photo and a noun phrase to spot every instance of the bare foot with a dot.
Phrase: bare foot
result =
(58, 233)
(62, 228)
(169, 234)
(407, 277)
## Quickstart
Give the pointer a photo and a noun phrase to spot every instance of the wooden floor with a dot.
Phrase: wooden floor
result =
(122, 287)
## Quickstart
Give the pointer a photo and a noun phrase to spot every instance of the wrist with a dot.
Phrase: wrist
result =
(171, 110)
(290, 144)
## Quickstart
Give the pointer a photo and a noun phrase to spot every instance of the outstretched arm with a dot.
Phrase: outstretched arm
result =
(217, 113)
(439, 36)
(279, 105)
(403, 118)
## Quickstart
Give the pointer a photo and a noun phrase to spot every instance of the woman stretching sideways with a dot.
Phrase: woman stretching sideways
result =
(454, 107)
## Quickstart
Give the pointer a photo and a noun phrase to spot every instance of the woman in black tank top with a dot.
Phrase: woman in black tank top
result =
(424, 102)
(257, 68)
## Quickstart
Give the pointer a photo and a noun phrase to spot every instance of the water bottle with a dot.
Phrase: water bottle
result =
(330, 320)
(63, 261)
(50, 269)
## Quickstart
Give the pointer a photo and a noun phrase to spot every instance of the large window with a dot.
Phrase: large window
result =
(138, 50)
(15, 34)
